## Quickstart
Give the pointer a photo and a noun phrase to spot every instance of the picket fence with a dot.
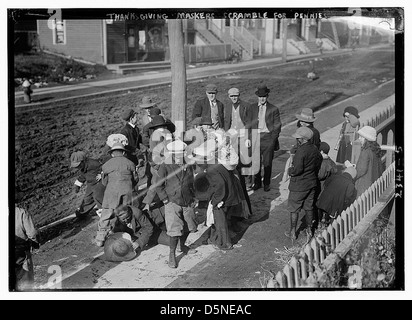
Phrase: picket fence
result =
(297, 270)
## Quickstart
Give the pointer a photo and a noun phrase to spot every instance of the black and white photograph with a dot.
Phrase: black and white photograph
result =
(206, 150)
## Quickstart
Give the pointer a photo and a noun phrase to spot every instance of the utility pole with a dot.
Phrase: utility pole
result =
(284, 40)
(178, 68)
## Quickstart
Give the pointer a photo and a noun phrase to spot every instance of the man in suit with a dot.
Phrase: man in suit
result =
(210, 107)
(132, 133)
(267, 117)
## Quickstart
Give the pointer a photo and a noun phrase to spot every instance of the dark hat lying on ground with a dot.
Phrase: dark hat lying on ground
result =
(76, 158)
(262, 90)
(323, 146)
(118, 247)
(126, 115)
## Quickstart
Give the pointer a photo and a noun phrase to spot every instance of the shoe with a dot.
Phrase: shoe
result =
(172, 260)
(186, 250)
(256, 186)
(266, 188)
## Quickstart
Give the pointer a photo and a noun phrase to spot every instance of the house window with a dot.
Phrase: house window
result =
(59, 32)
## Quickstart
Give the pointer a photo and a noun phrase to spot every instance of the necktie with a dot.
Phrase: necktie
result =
(261, 117)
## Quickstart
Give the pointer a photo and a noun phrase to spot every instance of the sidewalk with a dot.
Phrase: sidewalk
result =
(150, 79)
(254, 254)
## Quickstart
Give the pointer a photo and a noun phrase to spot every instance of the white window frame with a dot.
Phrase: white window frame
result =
(55, 33)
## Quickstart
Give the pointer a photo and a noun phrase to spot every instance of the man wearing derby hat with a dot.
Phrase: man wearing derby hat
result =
(175, 189)
(132, 133)
(210, 107)
(267, 117)
(119, 176)
(307, 118)
(147, 104)
(90, 173)
(303, 181)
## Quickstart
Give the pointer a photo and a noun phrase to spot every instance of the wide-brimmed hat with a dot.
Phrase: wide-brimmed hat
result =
(126, 115)
(158, 121)
(306, 115)
(368, 133)
(233, 92)
(118, 247)
(147, 102)
(116, 138)
(201, 186)
(303, 132)
(176, 146)
(205, 152)
(352, 171)
(76, 158)
(262, 90)
(117, 146)
(351, 110)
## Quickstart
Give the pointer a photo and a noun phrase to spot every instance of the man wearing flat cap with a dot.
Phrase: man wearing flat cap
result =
(267, 117)
(303, 181)
(210, 107)
(132, 133)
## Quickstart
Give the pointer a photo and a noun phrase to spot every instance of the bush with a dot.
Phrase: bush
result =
(43, 67)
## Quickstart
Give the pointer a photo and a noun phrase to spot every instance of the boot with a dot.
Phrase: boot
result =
(172, 253)
(309, 234)
(292, 231)
(184, 248)
(101, 237)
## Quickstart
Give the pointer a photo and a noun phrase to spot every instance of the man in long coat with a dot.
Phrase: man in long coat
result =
(132, 133)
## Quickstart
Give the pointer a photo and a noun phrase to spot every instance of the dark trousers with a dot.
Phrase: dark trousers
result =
(93, 196)
(267, 148)
(219, 231)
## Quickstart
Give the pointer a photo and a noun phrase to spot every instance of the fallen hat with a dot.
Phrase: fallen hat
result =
(306, 115)
(118, 247)
(126, 115)
(262, 90)
(76, 158)
(323, 146)
(147, 102)
(352, 171)
(303, 132)
(176, 146)
(117, 146)
(211, 88)
(233, 92)
(368, 133)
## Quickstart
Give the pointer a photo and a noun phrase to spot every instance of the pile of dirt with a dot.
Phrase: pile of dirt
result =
(45, 137)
